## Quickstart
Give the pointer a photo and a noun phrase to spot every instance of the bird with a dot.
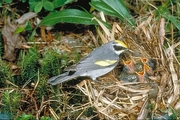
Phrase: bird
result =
(128, 66)
(141, 76)
(148, 69)
(99, 62)
(135, 72)
(127, 73)
(149, 65)
(128, 77)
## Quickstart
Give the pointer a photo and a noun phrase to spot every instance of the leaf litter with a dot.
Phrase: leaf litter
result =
(12, 41)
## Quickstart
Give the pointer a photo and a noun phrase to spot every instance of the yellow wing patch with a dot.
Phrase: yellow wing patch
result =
(105, 63)
(121, 43)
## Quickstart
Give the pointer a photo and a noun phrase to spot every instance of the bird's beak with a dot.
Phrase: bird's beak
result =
(130, 50)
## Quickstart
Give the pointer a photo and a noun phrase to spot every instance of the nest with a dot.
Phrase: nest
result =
(154, 97)
(114, 99)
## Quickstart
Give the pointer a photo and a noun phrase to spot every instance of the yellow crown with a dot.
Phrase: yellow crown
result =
(121, 43)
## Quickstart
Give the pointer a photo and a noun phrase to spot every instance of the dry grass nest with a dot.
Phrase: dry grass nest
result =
(114, 99)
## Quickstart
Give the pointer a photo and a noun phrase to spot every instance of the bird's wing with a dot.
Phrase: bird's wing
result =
(99, 58)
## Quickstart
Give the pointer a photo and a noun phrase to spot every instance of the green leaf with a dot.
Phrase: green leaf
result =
(19, 29)
(32, 4)
(59, 3)
(48, 6)
(68, 1)
(26, 116)
(115, 8)
(163, 10)
(174, 20)
(38, 7)
(69, 16)
(28, 26)
(8, 1)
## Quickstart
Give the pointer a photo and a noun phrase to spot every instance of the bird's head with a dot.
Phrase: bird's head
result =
(119, 47)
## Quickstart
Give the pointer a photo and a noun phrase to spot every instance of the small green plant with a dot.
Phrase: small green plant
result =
(29, 66)
(38, 5)
(51, 63)
(25, 117)
(5, 73)
(11, 101)
(41, 88)
(30, 117)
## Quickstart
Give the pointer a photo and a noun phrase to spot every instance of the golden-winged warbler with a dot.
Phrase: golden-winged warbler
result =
(99, 62)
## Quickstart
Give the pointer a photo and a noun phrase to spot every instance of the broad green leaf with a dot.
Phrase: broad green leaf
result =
(115, 8)
(59, 3)
(32, 4)
(38, 7)
(69, 16)
(48, 6)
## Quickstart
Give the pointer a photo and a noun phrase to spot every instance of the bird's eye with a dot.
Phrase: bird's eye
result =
(117, 48)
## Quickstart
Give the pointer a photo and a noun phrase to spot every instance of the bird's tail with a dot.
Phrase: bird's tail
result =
(62, 78)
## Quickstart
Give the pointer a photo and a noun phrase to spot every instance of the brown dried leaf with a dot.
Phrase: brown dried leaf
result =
(12, 41)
